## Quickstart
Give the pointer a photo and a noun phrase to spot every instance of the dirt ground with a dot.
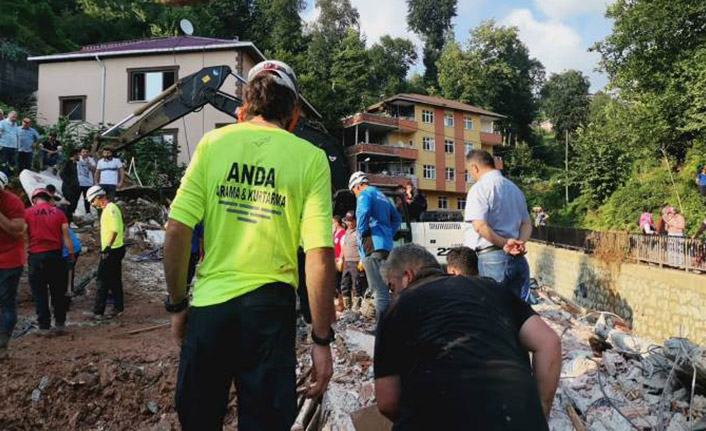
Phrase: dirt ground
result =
(96, 376)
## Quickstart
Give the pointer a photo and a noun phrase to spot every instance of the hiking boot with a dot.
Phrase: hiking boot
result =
(346, 302)
(114, 314)
(44, 332)
(94, 316)
(59, 328)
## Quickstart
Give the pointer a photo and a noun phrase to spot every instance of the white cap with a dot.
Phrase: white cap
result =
(357, 179)
(284, 75)
(3, 180)
(94, 192)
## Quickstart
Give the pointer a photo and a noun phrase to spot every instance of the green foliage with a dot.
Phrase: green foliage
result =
(431, 19)
(495, 71)
(390, 60)
(156, 162)
(565, 100)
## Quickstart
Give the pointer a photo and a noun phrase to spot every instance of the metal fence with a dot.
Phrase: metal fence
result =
(668, 251)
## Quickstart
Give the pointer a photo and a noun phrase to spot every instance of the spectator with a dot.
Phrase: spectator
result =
(353, 281)
(12, 260)
(540, 217)
(499, 225)
(28, 138)
(462, 261)
(109, 173)
(9, 141)
(196, 256)
(416, 202)
(701, 230)
(674, 222)
(452, 352)
(338, 231)
(701, 181)
(50, 151)
(70, 187)
(85, 168)
(378, 221)
(647, 225)
(48, 232)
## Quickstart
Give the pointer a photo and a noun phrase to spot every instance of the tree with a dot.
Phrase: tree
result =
(390, 60)
(431, 19)
(495, 71)
(565, 101)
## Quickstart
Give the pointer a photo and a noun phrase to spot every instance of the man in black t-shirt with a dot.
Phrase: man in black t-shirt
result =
(452, 353)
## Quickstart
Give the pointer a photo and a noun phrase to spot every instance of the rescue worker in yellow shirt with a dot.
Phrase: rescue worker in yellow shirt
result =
(110, 278)
(259, 190)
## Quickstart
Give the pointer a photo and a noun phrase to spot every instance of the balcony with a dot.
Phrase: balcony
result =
(382, 122)
(383, 150)
(391, 180)
(491, 138)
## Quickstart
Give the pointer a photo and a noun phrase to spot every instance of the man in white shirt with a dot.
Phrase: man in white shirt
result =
(110, 173)
(85, 168)
(9, 142)
(498, 225)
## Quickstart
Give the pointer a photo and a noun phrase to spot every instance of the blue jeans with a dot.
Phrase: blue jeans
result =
(512, 272)
(9, 280)
(379, 287)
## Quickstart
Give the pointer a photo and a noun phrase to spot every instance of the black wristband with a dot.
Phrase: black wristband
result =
(324, 341)
(178, 307)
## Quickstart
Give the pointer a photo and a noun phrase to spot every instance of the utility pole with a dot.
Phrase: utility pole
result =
(566, 164)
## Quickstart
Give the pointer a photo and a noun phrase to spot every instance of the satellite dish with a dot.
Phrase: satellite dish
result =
(186, 27)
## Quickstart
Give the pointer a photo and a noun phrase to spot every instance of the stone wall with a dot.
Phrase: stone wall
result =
(660, 303)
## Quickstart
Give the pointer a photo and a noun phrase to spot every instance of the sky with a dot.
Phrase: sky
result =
(557, 32)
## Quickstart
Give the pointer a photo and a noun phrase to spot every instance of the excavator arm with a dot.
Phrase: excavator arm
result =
(191, 93)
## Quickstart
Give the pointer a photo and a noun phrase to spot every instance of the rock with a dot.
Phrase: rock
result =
(680, 395)
(152, 407)
(577, 367)
(36, 394)
(362, 341)
(613, 362)
(43, 383)
(627, 342)
(678, 423)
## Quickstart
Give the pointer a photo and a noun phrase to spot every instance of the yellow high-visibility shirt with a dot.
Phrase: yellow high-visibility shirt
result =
(112, 221)
(260, 191)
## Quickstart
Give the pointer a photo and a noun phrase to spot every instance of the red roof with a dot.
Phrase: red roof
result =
(153, 43)
(438, 101)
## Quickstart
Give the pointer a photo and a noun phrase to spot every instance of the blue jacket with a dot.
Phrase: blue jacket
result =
(76, 243)
(377, 217)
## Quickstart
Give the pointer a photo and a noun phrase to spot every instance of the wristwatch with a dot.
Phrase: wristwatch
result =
(324, 341)
(178, 307)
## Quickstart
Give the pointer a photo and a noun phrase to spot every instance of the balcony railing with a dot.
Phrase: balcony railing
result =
(391, 179)
(675, 252)
(491, 138)
(383, 150)
(404, 124)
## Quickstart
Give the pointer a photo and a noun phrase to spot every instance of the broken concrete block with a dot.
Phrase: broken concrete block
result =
(678, 423)
(361, 341)
(627, 342)
(577, 367)
(370, 419)
(613, 362)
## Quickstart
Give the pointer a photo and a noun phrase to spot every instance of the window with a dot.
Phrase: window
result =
(468, 123)
(73, 107)
(450, 174)
(461, 204)
(468, 177)
(448, 120)
(467, 147)
(427, 116)
(428, 144)
(449, 146)
(430, 172)
(443, 203)
(145, 84)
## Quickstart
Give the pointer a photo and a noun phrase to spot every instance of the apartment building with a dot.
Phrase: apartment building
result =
(422, 139)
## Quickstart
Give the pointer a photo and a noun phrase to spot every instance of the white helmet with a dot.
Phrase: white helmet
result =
(357, 179)
(94, 192)
(284, 75)
(3, 180)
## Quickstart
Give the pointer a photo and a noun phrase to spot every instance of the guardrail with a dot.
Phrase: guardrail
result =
(674, 252)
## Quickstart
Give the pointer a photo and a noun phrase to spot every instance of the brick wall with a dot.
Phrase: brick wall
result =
(660, 303)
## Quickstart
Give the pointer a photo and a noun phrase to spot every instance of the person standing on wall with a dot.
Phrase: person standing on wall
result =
(48, 233)
(110, 270)
(261, 193)
(9, 142)
(85, 168)
(12, 260)
(498, 225)
(28, 138)
(110, 173)
(378, 221)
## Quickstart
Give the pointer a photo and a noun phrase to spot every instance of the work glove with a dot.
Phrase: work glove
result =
(339, 265)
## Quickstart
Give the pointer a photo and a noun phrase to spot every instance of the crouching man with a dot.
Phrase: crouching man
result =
(453, 351)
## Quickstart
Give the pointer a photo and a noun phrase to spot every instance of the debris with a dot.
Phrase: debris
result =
(577, 366)
(149, 328)
(575, 419)
(152, 407)
(370, 419)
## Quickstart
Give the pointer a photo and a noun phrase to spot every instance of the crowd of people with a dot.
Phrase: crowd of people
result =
(670, 222)
(40, 237)
(438, 362)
